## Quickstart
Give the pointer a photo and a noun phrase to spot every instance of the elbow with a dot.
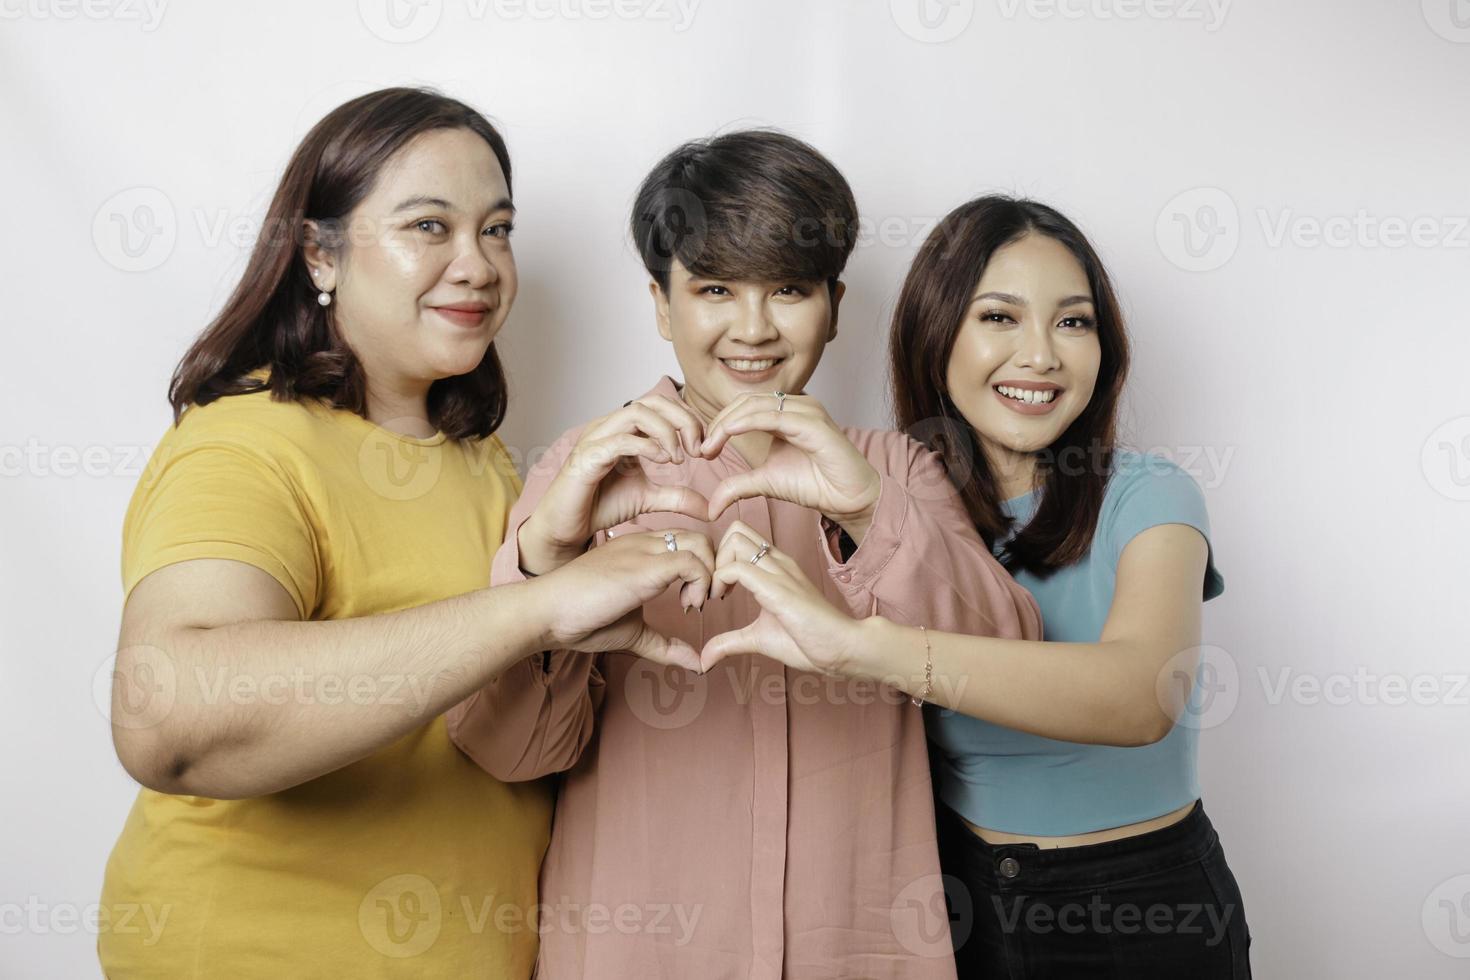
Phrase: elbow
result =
(151, 761)
(1147, 727)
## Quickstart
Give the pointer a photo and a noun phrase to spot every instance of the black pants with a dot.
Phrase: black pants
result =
(1160, 904)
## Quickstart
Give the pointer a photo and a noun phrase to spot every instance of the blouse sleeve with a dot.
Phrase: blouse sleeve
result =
(536, 717)
(221, 495)
(922, 562)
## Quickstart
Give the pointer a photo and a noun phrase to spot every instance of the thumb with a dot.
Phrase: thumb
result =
(653, 645)
(737, 487)
(729, 644)
(675, 500)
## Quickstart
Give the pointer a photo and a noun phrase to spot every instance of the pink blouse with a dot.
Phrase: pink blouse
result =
(756, 821)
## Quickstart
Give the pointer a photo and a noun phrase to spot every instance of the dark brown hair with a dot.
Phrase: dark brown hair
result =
(273, 319)
(753, 204)
(1072, 473)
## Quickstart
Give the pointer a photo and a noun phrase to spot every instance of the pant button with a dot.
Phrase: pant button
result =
(1010, 867)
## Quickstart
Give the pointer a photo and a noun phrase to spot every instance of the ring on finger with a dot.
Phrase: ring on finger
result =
(761, 553)
(671, 543)
(780, 400)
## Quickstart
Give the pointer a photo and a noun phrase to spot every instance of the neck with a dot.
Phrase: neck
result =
(753, 447)
(1015, 472)
(399, 405)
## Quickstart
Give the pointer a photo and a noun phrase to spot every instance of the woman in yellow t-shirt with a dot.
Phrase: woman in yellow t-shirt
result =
(306, 565)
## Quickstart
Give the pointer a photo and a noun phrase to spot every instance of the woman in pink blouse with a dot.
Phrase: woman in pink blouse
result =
(758, 820)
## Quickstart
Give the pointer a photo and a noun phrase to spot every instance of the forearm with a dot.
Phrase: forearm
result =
(257, 707)
(1099, 693)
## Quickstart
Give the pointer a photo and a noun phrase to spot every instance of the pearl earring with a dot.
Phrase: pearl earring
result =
(324, 298)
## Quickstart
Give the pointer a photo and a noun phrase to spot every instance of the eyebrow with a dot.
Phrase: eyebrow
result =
(424, 200)
(1018, 301)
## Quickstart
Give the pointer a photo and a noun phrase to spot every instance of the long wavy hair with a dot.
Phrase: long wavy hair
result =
(272, 319)
(1073, 472)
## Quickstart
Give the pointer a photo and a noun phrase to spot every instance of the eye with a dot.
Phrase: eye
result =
(431, 226)
(501, 229)
(792, 290)
(996, 316)
(1077, 323)
(714, 290)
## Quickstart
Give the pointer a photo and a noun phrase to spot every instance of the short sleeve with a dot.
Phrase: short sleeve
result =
(1148, 490)
(220, 498)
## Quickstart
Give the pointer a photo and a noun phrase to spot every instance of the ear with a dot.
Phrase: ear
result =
(837, 292)
(320, 263)
(661, 309)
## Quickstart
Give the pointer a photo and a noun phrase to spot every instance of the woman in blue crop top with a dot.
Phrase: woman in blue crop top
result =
(1071, 830)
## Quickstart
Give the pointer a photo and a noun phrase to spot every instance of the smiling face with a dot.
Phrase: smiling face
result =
(425, 277)
(1026, 358)
(736, 335)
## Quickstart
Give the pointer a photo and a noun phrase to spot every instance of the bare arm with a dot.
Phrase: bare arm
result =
(246, 699)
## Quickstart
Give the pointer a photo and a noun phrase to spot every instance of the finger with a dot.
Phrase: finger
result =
(753, 402)
(694, 594)
(738, 486)
(653, 423)
(723, 645)
(739, 544)
(653, 645)
(682, 418)
(590, 462)
(806, 432)
(665, 499)
(735, 405)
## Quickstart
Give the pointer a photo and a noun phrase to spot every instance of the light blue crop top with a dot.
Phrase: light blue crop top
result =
(1007, 780)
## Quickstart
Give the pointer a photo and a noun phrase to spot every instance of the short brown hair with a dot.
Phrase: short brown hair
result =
(273, 319)
(754, 204)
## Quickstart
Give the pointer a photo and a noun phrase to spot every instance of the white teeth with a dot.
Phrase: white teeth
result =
(760, 365)
(1027, 395)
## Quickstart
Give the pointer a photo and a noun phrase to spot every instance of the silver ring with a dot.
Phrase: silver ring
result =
(760, 554)
(780, 400)
(671, 543)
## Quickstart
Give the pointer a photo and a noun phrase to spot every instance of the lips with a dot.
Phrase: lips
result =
(1028, 397)
(752, 370)
(463, 314)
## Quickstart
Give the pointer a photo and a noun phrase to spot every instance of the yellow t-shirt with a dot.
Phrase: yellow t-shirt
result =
(412, 862)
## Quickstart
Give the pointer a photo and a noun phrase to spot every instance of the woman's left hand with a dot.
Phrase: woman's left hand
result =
(811, 462)
(797, 625)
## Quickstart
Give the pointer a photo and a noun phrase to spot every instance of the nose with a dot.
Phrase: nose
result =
(472, 268)
(1037, 350)
(753, 323)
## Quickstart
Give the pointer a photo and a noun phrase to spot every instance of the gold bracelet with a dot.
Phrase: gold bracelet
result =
(928, 670)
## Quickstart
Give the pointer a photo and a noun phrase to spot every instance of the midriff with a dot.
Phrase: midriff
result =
(1079, 840)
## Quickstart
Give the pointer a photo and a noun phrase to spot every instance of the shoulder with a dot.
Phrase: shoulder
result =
(258, 424)
(1150, 481)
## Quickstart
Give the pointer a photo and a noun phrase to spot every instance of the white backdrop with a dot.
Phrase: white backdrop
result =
(1279, 189)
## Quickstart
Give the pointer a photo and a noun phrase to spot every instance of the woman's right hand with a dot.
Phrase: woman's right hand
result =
(601, 484)
(596, 599)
